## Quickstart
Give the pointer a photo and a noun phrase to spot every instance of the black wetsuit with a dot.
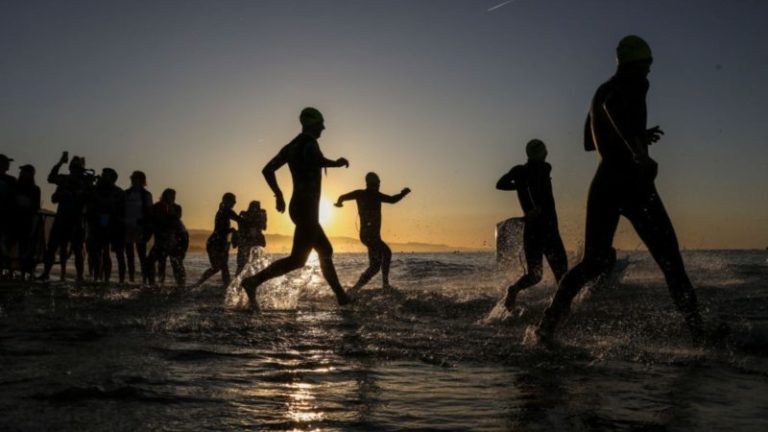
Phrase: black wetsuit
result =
(369, 209)
(622, 187)
(67, 226)
(218, 244)
(250, 235)
(305, 161)
(541, 235)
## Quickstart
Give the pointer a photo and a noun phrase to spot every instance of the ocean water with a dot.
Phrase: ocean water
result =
(436, 354)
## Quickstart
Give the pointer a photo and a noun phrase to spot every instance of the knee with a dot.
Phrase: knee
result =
(374, 266)
(294, 262)
(535, 275)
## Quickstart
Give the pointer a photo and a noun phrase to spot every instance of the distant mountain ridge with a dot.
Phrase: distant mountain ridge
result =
(279, 243)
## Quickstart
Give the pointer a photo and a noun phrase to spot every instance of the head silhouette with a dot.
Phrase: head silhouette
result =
(77, 165)
(633, 55)
(228, 200)
(536, 150)
(168, 196)
(372, 181)
(27, 174)
(5, 163)
(138, 179)
(312, 122)
(254, 206)
(109, 176)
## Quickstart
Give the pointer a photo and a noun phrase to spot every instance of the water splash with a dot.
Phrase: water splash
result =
(280, 293)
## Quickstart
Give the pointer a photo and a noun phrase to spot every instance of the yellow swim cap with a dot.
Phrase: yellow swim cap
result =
(632, 48)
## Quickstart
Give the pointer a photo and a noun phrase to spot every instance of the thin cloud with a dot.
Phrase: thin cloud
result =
(499, 5)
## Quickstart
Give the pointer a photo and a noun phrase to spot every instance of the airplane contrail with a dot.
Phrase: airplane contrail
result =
(499, 5)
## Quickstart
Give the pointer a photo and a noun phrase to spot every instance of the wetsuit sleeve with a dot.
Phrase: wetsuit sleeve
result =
(507, 182)
(272, 166)
(354, 195)
(390, 199)
(233, 216)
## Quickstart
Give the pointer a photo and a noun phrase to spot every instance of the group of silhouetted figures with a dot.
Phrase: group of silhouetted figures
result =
(94, 217)
(622, 186)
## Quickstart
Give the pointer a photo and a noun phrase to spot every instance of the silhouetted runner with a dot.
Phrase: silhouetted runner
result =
(249, 233)
(218, 243)
(306, 161)
(541, 235)
(369, 208)
(624, 186)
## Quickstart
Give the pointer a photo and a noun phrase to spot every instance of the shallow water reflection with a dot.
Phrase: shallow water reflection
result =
(128, 358)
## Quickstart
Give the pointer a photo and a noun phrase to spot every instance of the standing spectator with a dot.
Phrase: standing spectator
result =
(138, 211)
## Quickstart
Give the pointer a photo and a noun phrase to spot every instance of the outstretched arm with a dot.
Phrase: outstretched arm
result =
(346, 197)
(395, 198)
(269, 175)
(506, 182)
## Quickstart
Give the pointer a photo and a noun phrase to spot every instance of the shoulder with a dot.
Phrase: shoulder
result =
(517, 170)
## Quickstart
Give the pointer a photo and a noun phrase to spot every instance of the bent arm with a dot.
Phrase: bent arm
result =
(338, 163)
(506, 182)
(53, 177)
(346, 197)
(392, 199)
(269, 172)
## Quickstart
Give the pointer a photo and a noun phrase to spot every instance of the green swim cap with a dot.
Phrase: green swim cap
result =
(372, 177)
(631, 49)
(310, 117)
(536, 150)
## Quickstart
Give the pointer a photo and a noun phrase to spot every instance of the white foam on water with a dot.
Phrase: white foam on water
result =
(280, 293)
(498, 313)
